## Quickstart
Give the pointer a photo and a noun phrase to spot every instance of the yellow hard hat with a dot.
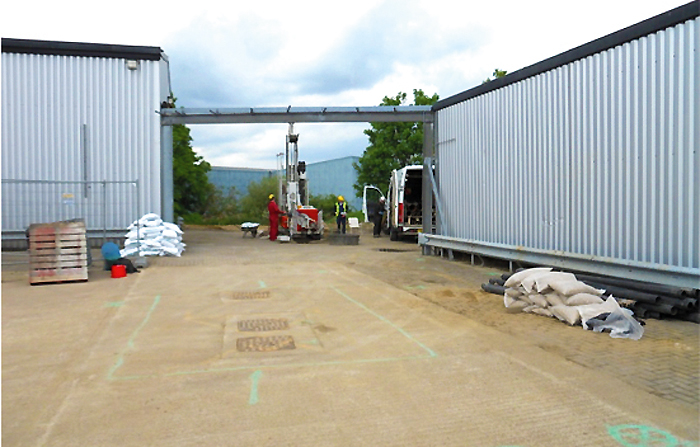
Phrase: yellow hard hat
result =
(341, 198)
(272, 196)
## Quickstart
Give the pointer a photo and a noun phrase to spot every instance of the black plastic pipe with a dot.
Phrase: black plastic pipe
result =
(496, 281)
(681, 303)
(491, 288)
(639, 286)
(665, 309)
(620, 292)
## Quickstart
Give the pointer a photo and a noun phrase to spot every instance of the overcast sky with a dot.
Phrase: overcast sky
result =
(323, 53)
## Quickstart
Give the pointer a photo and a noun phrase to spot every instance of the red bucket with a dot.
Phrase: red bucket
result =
(118, 271)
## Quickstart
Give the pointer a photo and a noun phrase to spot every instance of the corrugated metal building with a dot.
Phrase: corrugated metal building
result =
(80, 134)
(225, 178)
(588, 160)
(335, 177)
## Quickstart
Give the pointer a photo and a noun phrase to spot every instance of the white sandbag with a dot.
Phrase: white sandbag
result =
(513, 292)
(529, 283)
(152, 223)
(126, 252)
(554, 299)
(588, 311)
(170, 226)
(538, 300)
(567, 314)
(542, 281)
(170, 233)
(526, 299)
(542, 311)
(529, 309)
(171, 250)
(516, 278)
(570, 288)
(167, 243)
(514, 305)
(149, 253)
(151, 236)
(581, 299)
(149, 217)
(149, 243)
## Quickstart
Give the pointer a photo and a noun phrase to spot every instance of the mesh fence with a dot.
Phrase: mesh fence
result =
(107, 207)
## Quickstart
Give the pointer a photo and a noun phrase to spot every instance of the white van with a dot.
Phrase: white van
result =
(404, 202)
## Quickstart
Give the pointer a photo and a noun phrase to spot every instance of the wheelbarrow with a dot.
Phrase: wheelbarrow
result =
(250, 228)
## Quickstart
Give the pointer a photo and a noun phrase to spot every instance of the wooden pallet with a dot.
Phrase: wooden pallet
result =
(57, 253)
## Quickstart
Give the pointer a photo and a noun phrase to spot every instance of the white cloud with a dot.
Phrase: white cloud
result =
(320, 53)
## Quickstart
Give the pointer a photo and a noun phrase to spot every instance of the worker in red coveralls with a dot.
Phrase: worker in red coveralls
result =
(274, 211)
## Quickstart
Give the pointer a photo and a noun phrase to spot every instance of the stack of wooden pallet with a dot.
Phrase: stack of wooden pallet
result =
(57, 252)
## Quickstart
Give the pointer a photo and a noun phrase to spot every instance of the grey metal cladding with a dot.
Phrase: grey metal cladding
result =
(596, 160)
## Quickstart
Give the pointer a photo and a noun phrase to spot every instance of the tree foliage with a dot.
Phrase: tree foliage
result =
(325, 203)
(222, 207)
(191, 187)
(496, 74)
(391, 145)
(253, 206)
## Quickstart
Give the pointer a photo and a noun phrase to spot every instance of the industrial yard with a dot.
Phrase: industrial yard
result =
(242, 341)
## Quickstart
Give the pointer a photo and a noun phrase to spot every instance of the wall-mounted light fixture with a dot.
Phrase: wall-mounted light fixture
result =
(132, 64)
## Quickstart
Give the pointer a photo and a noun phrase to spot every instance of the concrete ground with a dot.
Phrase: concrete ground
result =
(246, 342)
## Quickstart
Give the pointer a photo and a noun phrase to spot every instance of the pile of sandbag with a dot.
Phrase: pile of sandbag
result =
(559, 294)
(151, 236)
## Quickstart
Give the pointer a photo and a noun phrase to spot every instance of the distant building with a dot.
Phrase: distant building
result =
(237, 178)
(335, 177)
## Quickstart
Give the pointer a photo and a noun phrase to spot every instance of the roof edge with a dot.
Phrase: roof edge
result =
(49, 47)
(659, 22)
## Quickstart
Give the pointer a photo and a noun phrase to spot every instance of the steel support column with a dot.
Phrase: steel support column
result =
(166, 173)
(427, 183)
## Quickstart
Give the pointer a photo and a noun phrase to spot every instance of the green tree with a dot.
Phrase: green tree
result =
(254, 204)
(391, 145)
(496, 74)
(222, 207)
(191, 187)
(325, 203)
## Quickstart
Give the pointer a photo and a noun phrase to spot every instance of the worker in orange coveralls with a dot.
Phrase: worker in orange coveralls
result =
(274, 211)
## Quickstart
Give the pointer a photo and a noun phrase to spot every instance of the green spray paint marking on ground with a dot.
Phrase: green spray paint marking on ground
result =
(254, 379)
(114, 304)
(384, 319)
(262, 284)
(645, 436)
(130, 343)
(281, 366)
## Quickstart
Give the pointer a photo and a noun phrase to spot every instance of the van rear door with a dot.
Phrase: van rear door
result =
(370, 194)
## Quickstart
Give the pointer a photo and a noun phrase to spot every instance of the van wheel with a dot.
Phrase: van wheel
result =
(393, 234)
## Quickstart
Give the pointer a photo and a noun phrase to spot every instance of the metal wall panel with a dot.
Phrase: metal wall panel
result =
(67, 118)
(596, 159)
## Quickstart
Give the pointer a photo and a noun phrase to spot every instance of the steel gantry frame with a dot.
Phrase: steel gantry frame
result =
(282, 115)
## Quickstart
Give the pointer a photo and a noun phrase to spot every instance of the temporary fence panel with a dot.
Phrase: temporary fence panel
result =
(107, 208)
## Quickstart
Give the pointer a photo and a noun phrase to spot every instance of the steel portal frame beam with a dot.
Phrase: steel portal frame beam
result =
(273, 115)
